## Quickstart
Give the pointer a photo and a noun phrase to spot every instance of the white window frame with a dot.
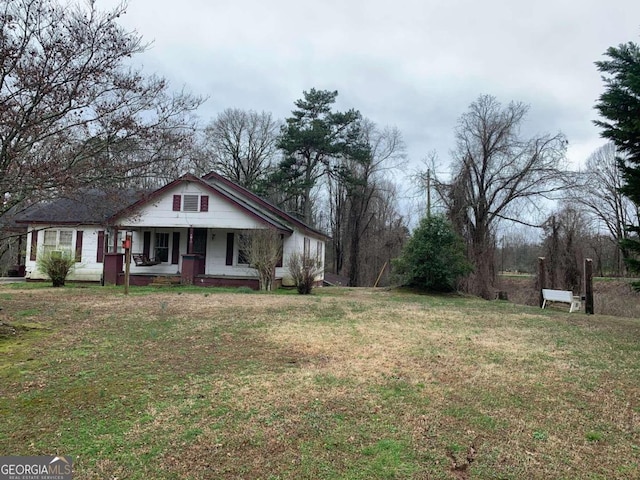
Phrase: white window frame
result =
(306, 249)
(168, 247)
(122, 234)
(55, 243)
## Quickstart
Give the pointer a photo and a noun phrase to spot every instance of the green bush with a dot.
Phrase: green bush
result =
(57, 265)
(433, 258)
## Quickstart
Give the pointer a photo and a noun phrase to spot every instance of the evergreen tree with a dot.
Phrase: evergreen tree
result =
(433, 258)
(619, 105)
(310, 139)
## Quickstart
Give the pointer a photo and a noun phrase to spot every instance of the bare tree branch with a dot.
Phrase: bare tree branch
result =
(70, 107)
(496, 174)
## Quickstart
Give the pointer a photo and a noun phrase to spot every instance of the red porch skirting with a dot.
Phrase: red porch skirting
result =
(199, 280)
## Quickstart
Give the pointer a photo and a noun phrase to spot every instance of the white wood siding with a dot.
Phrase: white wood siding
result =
(295, 243)
(221, 214)
(87, 270)
(222, 217)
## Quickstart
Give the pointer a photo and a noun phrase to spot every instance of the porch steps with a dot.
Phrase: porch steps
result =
(165, 281)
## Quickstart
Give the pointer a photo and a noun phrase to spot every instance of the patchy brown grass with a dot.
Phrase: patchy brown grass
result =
(347, 383)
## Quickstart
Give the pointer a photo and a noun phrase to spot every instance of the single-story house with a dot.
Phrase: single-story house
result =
(188, 230)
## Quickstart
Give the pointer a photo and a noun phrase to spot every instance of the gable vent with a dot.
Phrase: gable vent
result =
(190, 203)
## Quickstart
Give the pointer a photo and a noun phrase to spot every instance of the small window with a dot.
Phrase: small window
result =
(319, 251)
(162, 247)
(57, 240)
(307, 247)
(190, 203)
(280, 251)
(243, 243)
(66, 237)
(118, 246)
(50, 241)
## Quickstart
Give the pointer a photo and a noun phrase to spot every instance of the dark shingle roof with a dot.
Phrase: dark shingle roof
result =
(92, 207)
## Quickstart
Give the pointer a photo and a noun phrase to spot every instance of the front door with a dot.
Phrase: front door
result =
(200, 247)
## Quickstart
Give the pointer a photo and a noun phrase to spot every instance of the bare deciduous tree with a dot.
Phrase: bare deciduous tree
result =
(497, 173)
(565, 244)
(358, 185)
(263, 251)
(241, 145)
(598, 190)
(68, 100)
(363, 183)
(384, 238)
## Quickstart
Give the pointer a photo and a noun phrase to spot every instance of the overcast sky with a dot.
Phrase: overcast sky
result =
(416, 65)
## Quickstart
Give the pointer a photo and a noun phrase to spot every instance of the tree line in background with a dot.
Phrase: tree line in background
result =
(598, 215)
(74, 114)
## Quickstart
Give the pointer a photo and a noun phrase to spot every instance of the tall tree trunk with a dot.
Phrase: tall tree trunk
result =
(482, 254)
(354, 250)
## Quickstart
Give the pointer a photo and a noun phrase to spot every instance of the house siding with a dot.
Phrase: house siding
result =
(88, 269)
(220, 214)
(221, 218)
(295, 243)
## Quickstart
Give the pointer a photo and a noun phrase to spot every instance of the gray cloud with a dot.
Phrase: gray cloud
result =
(413, 64)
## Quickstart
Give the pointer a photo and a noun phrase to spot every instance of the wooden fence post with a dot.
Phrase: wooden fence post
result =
(588, 286)
(541, 279)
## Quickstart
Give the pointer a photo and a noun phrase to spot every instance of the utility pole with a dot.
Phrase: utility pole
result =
(428, 192)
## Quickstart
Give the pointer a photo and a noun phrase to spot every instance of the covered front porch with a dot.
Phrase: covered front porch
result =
(186, 256)
(143, 280)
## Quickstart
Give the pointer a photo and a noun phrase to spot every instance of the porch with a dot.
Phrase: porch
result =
(192, 267)
(143, 280)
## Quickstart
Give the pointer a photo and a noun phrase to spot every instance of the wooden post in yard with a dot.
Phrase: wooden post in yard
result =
(127, 262)
(380, 275)
(541, 280)
(588, 286)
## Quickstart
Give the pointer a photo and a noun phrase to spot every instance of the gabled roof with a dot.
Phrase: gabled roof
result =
(97, 207)
(236, 191)
(247, 207)
(90, 207)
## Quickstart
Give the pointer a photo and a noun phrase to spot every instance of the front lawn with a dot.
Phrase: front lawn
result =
(343, 384)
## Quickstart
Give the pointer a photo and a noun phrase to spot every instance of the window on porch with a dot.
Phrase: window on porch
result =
(162, 247)
(243, 255)
(117, 248)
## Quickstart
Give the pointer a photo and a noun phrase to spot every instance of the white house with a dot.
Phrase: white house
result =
(188, 230)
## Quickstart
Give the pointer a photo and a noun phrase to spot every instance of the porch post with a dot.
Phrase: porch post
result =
(190, 244)
(21, 262)
(189, 269)
(112, 267)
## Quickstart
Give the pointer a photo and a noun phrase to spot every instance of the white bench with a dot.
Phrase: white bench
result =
(564, 296)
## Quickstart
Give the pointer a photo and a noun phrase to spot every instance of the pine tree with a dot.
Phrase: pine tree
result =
(619, 105)
(310, 139)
